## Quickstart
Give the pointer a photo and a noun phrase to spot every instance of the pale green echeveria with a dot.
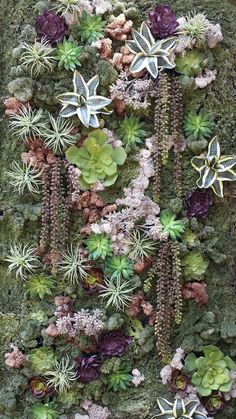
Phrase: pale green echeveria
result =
(96, 160)
(214, 169)
(150, 54)
(212, 371)
(84, 101)
(179, 409)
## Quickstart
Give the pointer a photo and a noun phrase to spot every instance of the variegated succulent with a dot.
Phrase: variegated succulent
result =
(150, 54)
(84, 101)
(179, 409)
(214, 169)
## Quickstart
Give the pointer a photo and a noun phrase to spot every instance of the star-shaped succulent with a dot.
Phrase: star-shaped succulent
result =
(179, 409)
(214, 169)
(150, 54)
(84, 101)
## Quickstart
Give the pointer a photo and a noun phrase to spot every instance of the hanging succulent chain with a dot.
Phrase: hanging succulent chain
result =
(177, 275)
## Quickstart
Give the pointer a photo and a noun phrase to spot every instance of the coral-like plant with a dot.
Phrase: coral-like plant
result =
(83, 101)
(74, 265)
(44, 411)
(118, 267)
(214, 168)
(98, 246)
(131, 132)
(172, 228)
(117, 293)
(40, 286)
(22, 259)
(150, 55)
(39, 57)
(58, 136)
(41, 359)
(140, 246)
(97, 160)
(25, 177)
(90, 28)
(194, 265)
(212, 371)
(28, 123)
(62, 376)
(190, 64)
(179, 409)
(198, 126)
(119, 380)
(67, 54)
(194, 28)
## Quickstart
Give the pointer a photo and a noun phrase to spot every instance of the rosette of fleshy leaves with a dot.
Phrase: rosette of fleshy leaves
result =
(171, 227)
(214, 169)
(179, 409)
(150, 54)
(97, 160)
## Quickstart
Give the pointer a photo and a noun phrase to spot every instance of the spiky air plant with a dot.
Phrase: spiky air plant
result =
(28, 123)
(73, 265)
(179, 409)
(198, 126)
(131, 132)
(67, 54)
(150, 54)
(22, 259)
(84, 101)
(195, 28)
(63, 375)
(39, 58)
(168, 122)
(25, 177)
(90, 27)
(214, 168)
(68, 6)
(58, 136)
(140, 246)
(117, 293)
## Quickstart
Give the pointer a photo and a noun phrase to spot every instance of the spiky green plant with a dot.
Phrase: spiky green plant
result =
(179, 409)
(98, 246)
(90, 27)
(28, 123)
(198, 126)
(119, 380)
(131, 132)
(73, 265)
(119, 266)
(140, 246)
(58, 136)
(25, 177)
(40, 286)
(39, 58)
(62, 376)
(67, 54)
(117, 293)
(44, 411)
(41, 359)
(22, 259)
(68, 6)
(195, 28)
(171, 227)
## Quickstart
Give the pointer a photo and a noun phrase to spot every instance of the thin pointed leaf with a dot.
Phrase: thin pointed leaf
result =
(92, 85)
(98, 102)
(84, 115)
(199, 415)
(138, 63)
(69, 98)
(214, 148)
(229, 175)
(198, 163)
(133, 47)
(217, 188)
(191, 406)
(93, 122)
(179, 408)
(164, 404)
(168, 43)
(152, 66)
(164, 62)
(226, 163)
(67, 111)
(80, 86)
(209, 177)
(145, 31)
(141, 42)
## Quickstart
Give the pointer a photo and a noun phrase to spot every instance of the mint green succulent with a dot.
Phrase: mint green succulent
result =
(67, 54)
(179, 409)
(212, 371)
(198, 126)
(194, 265)
(96, 160)
(41, 359)
(172, 228)
(44, 411)
(40, 286)
(90, 28)
(190, 64)
(131, 132)
(214, 169)
(119, 267)
(120, 379)
(84, 101)
(98, 246)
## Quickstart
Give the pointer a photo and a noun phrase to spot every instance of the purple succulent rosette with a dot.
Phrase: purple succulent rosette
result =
(113, 343)
(50, 27)
(197, 204)
(162, 21)
(88, 368)
(39, 387)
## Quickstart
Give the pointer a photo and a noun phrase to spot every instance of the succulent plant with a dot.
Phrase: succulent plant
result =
(194, 265)
(65, 7)
(67, 54)
(179, 381)
(195, 28)
(40, 286)
(190, 64)
(22, 259)
(118, 267)
(44, 411)
(39, 387)
(162, 21)
(214, 403)
(198, 126)
(41, 359)
(62, 376)
(96, 159)
(171, 227)
(119, 380)
(98, 246)
(83, 101)
(28, 123)
(117, 292)
(87, 368)
(93, 281)
(197, 204)
(131, 132)
(113, 343)
(25, 177)
(214, 169)
(150, 54)
(73, 265)
(58, 136)
(179, 409)
(212, 371)
(90, 27)
(50, 27)
(140, 246)
(39, 57)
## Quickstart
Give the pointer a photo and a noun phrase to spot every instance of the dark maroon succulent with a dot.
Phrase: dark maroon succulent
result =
(50, 27)
(179, 381)
(93, 281)
(197, 204)
(215, 403)
(87, 368)
(162, 21)
(39, 387)
(113, 343)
